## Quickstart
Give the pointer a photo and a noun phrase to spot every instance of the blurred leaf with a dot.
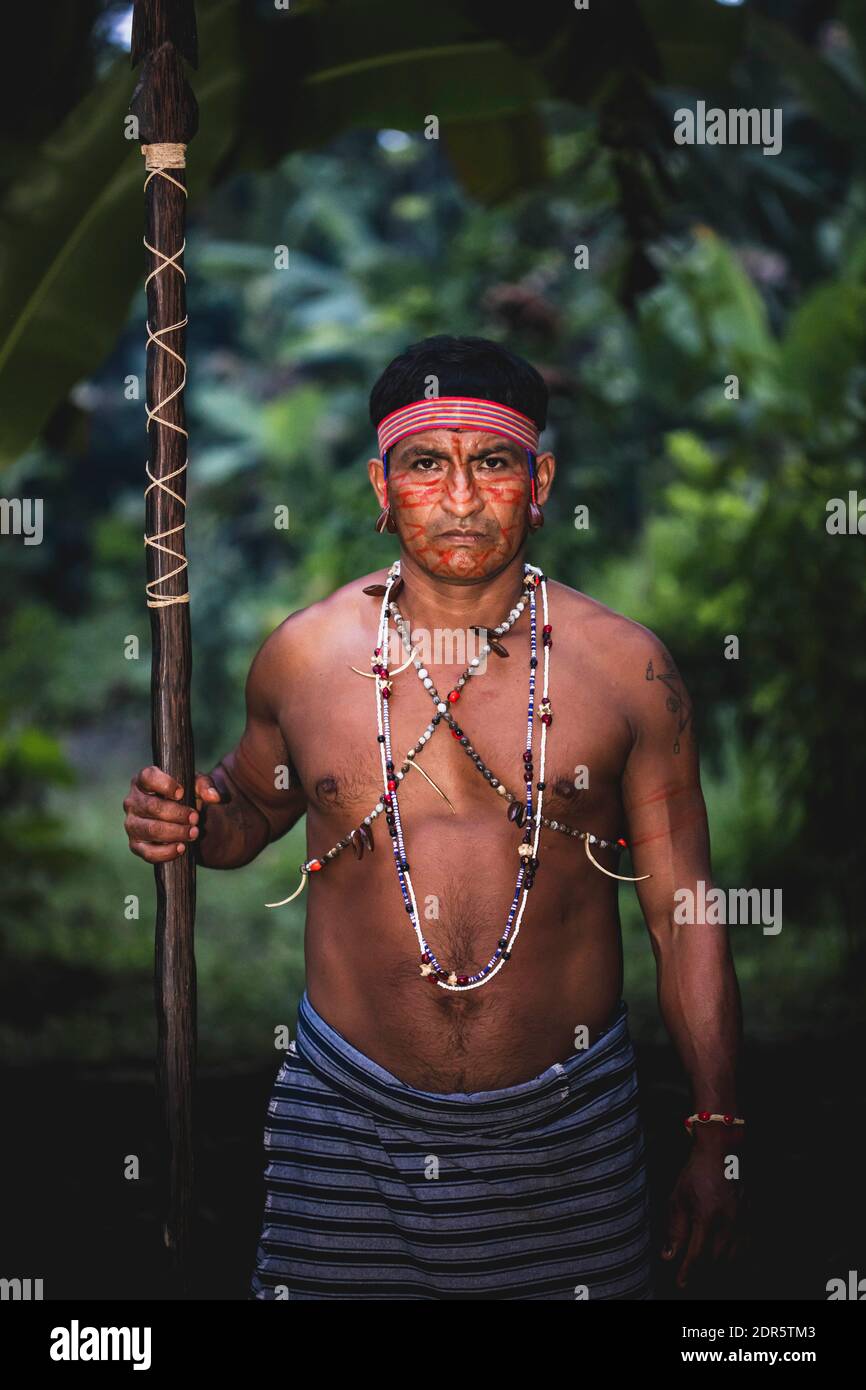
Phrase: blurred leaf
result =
(71, 233)
(498, 157)
(696, 42)
(218, 464)
(35, 96)
(34, 756)
(289, 424)
(71, 229)
(853, 16)
(828, 96)
(825, 339)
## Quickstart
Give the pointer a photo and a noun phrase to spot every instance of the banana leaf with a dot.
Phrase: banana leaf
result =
(71, 229)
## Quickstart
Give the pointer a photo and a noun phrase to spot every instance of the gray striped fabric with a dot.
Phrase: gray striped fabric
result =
(376, 1191)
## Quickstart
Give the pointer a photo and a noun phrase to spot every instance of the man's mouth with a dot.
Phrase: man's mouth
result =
(467, 537)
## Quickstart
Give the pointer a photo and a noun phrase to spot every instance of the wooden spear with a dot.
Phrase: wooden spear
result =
(163, 35)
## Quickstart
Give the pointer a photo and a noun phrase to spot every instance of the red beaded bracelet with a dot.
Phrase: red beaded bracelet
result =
(704, 1117)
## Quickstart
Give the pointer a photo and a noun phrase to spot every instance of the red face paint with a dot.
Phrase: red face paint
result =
(461, 508)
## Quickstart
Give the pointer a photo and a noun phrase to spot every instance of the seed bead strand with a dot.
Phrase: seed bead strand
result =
(431, 967)
(525, 874)
(502, 954)
(533, 577)
(471, 670)
(311, 865)
(389, 798)
(546, 719)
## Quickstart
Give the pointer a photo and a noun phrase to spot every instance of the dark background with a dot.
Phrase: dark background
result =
(707, 519)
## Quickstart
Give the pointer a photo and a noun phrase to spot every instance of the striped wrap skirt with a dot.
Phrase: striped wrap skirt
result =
(375, 1190)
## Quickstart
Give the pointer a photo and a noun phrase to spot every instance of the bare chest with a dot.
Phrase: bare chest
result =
(331, 731)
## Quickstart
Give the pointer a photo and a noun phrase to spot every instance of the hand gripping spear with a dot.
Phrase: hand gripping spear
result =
(163, 34)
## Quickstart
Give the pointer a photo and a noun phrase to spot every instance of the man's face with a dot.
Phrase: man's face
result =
(460, 499)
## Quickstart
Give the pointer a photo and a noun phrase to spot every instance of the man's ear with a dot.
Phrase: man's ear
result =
(545, 469)
(376, 474)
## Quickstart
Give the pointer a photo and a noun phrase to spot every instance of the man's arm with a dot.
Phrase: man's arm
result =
(697, 985)
(262, 794)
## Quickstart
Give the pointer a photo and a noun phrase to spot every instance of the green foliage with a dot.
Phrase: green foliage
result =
(34, 845)
(71, 234)
(272, 83)
(707, 508)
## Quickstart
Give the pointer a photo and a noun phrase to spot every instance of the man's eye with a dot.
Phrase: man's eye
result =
(494, 461)
(424, 462)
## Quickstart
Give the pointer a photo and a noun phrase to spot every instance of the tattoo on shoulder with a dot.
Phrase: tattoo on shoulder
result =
(676, 699)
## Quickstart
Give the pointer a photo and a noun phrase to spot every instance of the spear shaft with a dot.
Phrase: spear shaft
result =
(163, 36)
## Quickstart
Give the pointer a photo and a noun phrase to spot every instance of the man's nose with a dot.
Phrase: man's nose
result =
(461, 493)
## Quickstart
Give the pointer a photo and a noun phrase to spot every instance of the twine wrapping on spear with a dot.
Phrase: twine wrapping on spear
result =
(157, 159)
(163, 36)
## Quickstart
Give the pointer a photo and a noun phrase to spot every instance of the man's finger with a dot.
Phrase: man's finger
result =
(738, 1246)
(695, 1250)
(155, 854)
(159, 831)
(153, 779)
(139, 803)
(206, 787)
(678, 1230)
(722, 1240)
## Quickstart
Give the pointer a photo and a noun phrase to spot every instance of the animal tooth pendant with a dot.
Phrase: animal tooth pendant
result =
(522, 813)
(623, 878)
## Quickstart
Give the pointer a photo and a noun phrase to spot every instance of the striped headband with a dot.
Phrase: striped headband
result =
(456, 413)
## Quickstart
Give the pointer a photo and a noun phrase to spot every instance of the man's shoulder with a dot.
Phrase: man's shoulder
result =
(579, 622)
(613, 636)
(324, 619)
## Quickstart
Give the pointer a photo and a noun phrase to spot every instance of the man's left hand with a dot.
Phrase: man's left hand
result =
(705, 1215)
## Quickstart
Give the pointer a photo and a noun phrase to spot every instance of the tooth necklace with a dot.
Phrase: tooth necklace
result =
(431, 967)
(519, 811)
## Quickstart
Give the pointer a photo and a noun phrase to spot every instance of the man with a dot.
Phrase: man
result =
(457, 1117)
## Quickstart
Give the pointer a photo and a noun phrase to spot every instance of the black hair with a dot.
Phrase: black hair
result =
(473, 367)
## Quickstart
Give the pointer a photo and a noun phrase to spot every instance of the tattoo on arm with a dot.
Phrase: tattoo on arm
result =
(676, 699)
(231, 831)
(235, 813)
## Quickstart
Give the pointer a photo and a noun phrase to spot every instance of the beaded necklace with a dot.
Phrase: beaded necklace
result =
(519, 811)
(431, 968)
